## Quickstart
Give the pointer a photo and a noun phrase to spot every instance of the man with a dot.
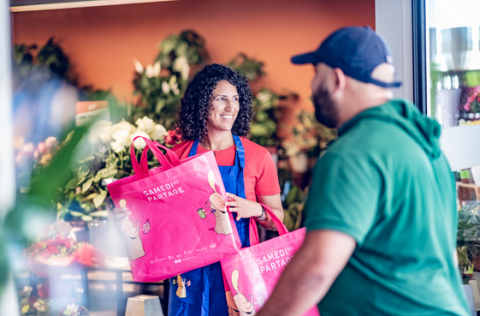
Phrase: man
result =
(381, 216)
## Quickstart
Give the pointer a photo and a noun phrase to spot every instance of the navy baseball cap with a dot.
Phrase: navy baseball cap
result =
(355, 50)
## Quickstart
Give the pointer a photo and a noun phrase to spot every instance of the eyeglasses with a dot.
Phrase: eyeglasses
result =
(223, 98)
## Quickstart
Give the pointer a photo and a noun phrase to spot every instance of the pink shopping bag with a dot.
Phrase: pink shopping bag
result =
(178, 219)
(253, 273)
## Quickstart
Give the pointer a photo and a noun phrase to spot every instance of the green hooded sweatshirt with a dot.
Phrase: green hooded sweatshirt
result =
(386, 183)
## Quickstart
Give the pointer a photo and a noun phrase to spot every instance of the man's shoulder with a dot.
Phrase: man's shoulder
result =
(371, 136)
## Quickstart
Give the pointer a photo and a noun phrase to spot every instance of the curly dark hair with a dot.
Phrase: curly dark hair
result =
(191, 122)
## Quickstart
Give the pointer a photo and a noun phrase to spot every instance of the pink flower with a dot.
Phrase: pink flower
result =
(52, 250)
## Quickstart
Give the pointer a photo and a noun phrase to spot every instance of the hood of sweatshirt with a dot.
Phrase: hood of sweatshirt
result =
(425, 131)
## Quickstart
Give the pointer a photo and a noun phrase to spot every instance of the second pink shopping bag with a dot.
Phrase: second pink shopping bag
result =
(179, 221)
(253, 273)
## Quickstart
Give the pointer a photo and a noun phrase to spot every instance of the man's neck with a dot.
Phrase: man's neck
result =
(218, 140)
(364, 101)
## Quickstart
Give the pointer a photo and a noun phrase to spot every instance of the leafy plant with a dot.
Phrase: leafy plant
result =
(251, 68)
(107, 159)
(308, 136)
(264, 124)
(50, 56)
(468, 240)
(161, 85)
(293, 198)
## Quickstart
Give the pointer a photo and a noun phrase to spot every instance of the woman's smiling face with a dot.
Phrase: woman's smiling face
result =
(226, 105)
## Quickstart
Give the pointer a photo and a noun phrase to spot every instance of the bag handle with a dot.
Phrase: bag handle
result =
(142, 171)
(172, 156)
(282, 230)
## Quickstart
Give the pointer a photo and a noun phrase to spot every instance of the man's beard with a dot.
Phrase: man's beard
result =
(326, 111)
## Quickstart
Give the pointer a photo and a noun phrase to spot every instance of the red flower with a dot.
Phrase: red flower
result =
(44, 290)
(68, 244)
(172, 138)
(52, 250)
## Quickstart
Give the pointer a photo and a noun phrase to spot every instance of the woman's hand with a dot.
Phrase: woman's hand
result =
(244, 208)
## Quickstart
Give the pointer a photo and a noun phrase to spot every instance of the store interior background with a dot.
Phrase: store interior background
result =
(102, 42)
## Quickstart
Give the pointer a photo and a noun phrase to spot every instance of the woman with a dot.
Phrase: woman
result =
(215, 114)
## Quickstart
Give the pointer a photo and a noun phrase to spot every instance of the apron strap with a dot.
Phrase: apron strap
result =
(193, 150)
(240, 151)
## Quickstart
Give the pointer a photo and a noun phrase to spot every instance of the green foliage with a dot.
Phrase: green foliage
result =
(187, 44)
(249, 67)
(308, 136)
(264, 124)
(472, 78)
(50, 56)
(161, 86)
(468, 231)
(293, 204)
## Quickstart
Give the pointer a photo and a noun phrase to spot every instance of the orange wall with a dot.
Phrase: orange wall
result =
(102, 41)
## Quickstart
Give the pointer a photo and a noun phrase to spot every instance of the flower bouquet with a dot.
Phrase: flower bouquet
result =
(58, 247)
(74, 310)
(108, 159)
(32, 304)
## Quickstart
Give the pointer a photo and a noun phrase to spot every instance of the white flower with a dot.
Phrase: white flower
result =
(121, 140)
(175, 88)
(174, 85)
(28, 290)
(150, 71)
(158, 133)
(156, 68)
(138, 66)
(165, 87)
(145, 124)
(181, 65)
(40, 306)
(139, 143)
(117, 147)
(101, 131)
(72, 308)
(264, 97)
(51, 143)
(124, 126)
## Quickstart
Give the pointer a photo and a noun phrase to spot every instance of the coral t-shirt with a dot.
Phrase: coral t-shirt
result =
(260, 174)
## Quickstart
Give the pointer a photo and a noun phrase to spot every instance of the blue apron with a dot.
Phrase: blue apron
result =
(205, 293)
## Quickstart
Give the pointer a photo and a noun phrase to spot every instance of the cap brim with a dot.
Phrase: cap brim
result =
(307, 58)
(394, 84)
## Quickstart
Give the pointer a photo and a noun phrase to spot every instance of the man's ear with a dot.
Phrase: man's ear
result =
(340, 80)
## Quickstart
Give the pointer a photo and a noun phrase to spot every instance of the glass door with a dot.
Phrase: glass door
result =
(453, 61)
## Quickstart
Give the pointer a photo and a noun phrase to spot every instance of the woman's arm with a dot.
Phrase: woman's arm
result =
(275, 203)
